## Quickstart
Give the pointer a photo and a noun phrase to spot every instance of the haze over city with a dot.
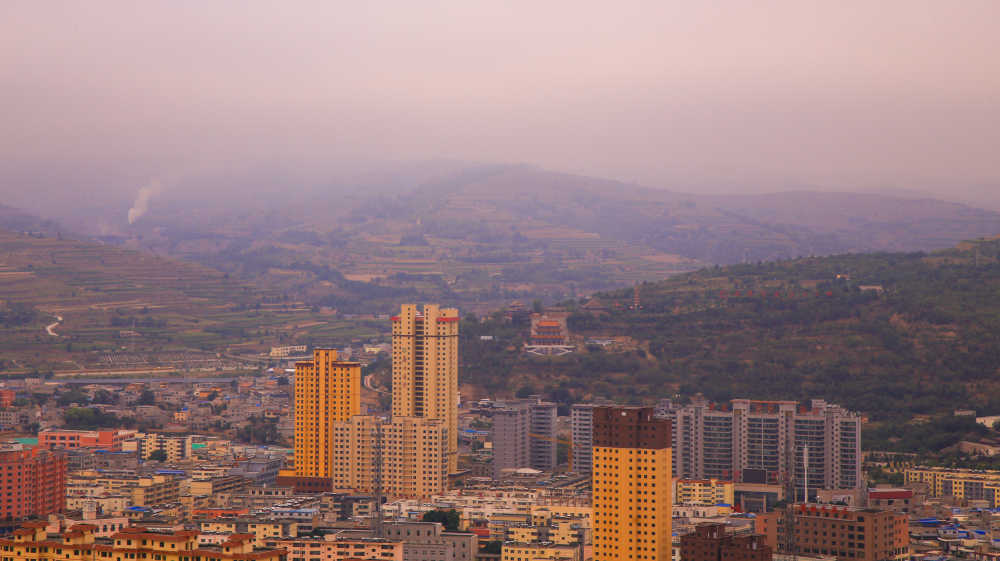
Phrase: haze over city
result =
(736, 97)
(508, 281)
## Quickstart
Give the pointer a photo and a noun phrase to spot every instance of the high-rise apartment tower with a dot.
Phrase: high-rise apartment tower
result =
(750, 441)
(425, 369)
(327, 391)
(631, 485)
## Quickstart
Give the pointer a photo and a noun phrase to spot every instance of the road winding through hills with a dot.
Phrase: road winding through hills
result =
(50, 328)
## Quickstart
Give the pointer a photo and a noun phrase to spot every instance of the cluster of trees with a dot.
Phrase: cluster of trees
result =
(259, 430)
(90, 418)
(16, 314)
(450, 519)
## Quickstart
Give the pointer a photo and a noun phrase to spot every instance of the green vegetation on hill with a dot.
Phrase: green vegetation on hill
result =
(926, 341)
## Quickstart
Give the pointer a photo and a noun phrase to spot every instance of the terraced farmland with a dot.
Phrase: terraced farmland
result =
(115, 300)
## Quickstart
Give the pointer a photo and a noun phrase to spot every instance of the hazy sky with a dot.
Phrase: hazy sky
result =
(683, 95)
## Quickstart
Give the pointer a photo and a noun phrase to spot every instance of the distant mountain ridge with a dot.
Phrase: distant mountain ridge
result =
(482, 236)
(711, 228)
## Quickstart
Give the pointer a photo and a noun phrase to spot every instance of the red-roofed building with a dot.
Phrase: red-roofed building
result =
(895, 500)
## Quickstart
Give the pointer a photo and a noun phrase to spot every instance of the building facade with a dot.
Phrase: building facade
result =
(766, 442)
(427, 541)
(705, 492)
(413, 455)
(524, 435)
(110, 440)
(32, 543)
(959, 483)
(425, 369)
(33, 483)
(175, 448)
(631, 485)
(510, 439)
(332, 548)
(846, 533)
(582, 431)
(711, 542)
(327, 391)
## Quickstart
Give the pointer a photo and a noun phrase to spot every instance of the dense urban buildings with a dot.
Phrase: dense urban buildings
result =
(762, 441)
(631, 485)
(843, 532)
(33, 483)
(425, 368)
(711, 542)
(327, 391)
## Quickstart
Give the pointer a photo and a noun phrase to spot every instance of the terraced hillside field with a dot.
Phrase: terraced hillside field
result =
(157, 312)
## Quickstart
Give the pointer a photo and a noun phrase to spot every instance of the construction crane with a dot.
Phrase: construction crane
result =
(568, 443)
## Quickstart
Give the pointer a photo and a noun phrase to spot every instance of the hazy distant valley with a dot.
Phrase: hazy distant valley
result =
(482, 236)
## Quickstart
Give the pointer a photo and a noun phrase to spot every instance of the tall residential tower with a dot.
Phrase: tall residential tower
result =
(631, 483)
(327, 391)
(425, 369)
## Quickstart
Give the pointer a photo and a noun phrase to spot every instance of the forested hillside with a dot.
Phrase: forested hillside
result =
(890, 334)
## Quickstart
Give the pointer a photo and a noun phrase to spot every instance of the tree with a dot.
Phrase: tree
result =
(104, 396)
(147, 397)
(158, 455)
(526, 391)
(282, 380)
(493, 547)
(448, 518)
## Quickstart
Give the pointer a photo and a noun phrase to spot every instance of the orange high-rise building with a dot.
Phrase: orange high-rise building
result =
(631, 485)
(327, 391)
(425, 369)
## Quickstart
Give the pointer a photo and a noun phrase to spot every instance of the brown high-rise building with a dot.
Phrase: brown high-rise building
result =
(425, 369)
(847, 533)
(632, 485)
(710, 542)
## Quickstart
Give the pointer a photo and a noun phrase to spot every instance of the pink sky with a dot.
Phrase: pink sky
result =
(682, 95)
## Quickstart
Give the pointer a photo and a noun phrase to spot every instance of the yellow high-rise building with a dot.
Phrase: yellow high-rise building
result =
(327, 391)
(425, 369)
(631, 485)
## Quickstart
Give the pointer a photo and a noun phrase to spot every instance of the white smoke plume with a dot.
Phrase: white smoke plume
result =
(141, 204)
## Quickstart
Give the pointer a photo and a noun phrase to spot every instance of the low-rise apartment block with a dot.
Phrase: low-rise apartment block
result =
(704, 492)
(333, 548)
(110, 440)
(958, 483)
(518, 551)
(33, 543)
(846, 533)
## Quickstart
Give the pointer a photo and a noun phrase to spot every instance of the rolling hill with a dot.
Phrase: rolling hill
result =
(890, 334)
(486, 235)
(123, 309)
